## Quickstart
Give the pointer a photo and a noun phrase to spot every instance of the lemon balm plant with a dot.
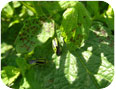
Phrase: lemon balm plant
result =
(57, 44)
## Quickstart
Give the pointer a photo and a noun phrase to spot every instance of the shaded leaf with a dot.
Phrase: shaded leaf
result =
(23, 65)
(93, 11)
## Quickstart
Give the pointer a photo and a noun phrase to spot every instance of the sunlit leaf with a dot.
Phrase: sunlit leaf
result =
(9, 74)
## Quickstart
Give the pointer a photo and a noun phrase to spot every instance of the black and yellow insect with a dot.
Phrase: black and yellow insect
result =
(40, 61)
(56, 47)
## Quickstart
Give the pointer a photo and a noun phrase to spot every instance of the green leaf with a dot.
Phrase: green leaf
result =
(71, 69)
(93, 11)
(88, 67)
(48, 9)
(8, 10)
(9, 74)
(106, 70)
(67, 4)
(76, 31)
(59, 37)
(35, 32)
(23, 65)
(45, 51)
(24, 84)
(16, 4)
(40, 76)
(109, 17)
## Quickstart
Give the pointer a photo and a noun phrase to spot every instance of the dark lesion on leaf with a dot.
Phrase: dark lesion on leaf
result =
(31, 36)
(112, 44)
(31, 42)
(23, 38)
(72, 39)
(108, 38)
(26, 46)
(74, 30)
(28, 29)
(36, 22)
(28, 40)
(33, 32)
(26, 21)
(84, 16)
(42, 19)
(23, 34)
(51, 80)
(33, 27)
(79, 24)
(79, 37)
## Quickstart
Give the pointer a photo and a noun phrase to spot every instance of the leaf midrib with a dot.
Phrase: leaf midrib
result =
(89, 73)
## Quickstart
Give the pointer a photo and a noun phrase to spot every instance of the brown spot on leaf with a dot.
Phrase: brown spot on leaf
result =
(50, 80)
(27, 48)
(100, 40)
(23, 39)
(108, 38)
(79, 37)
(20, 35)
(33, 32)
(73, 30)
(112, 44)
(25, 45)
(31, 42)
(28, 29)
(72, 40)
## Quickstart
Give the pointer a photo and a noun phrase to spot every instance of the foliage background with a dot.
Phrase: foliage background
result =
(91, 66)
